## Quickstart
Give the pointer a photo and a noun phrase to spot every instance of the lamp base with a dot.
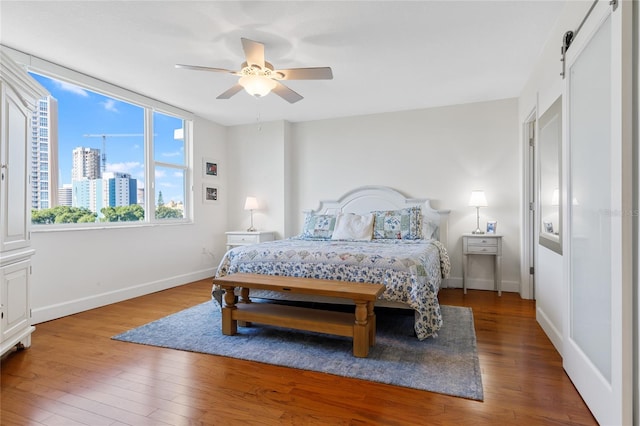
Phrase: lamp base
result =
(478, 231)
(251, 229)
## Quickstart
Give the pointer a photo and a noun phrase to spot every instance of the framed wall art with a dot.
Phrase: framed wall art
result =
(210, 193)
(210, 168)
(548, 227)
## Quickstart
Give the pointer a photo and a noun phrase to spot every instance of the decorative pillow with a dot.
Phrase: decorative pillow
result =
(353, 227)
(431, 230)
(403, 224)
(318, 226)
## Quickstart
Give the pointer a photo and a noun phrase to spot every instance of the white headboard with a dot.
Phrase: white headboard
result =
(367, 198)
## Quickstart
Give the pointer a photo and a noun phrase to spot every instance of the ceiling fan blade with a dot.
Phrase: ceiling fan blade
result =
(285, 93)
(199, 68)
(254, 52)
(230, 92)
(319, 73)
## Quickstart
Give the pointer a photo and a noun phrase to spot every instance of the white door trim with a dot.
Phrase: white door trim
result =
(528, 255)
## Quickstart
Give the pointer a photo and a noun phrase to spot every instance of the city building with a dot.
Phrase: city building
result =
(44, 154)
(118, 189)
(140, 196)
(86, 163)
(114, 189)
(65, 195)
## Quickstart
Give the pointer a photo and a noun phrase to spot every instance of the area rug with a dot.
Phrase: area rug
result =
(447, 364)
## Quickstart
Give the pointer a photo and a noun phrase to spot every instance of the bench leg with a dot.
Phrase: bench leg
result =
(244, 298)
(229, 325)
(361, 331)
(371, 323)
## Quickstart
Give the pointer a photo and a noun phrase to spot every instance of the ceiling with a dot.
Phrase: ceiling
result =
(385, 55)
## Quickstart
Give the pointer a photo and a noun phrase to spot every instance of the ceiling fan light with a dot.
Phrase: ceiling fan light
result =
(257, 85)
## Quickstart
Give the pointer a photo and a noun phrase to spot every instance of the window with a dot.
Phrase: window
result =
(105, 157)
(169, 166)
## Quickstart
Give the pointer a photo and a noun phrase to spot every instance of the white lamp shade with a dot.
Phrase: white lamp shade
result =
(251, 203)
(478, 199)
(257, 85)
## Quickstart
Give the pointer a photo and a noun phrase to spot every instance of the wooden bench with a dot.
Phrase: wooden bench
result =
(361, 327)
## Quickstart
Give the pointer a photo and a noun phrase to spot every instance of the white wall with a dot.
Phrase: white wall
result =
(440, 153)
(256, 167)
(542, 89)
(550, 302)
(78, 270)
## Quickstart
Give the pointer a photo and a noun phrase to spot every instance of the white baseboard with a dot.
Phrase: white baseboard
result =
(482, 284)
(48, 313)
(550, 330)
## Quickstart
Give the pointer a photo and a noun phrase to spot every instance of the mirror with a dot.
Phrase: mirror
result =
(549, 167)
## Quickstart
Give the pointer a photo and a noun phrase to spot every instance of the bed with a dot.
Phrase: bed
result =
(370, 234)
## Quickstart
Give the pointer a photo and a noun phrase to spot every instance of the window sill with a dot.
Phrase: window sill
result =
(105, 226)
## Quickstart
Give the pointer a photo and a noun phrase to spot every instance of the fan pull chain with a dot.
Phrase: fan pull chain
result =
(258, 116)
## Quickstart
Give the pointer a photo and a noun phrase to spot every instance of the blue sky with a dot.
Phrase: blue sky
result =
(82, 112)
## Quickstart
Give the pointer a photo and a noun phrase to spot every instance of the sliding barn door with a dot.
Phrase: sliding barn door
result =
(597, 337)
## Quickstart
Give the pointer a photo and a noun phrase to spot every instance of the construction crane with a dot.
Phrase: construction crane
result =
(104, 137)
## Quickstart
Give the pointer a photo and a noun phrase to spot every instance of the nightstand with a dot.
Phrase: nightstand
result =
(245, 238)
(488, 245)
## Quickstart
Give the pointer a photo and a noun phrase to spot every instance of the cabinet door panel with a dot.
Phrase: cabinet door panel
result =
(14, 284)
(15, 120)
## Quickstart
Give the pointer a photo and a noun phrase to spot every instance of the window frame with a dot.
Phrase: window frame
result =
(149, 105)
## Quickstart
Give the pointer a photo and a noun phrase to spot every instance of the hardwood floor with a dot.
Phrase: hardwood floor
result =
(74, 374)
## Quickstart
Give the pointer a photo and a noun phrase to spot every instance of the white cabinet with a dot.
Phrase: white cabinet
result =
(15, 313)
(19, 94)
(245, 238)
(488, 245)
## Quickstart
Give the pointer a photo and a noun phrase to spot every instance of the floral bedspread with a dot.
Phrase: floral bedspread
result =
(411, 270)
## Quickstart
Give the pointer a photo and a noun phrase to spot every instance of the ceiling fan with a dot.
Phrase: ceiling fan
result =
(259, 78)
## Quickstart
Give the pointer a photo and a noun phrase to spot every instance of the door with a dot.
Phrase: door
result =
(15, 119)
(597, 336)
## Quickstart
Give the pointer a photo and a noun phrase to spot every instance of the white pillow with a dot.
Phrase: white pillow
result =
(351, 226)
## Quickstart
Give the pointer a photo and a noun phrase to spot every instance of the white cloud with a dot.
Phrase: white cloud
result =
(71, 88)
(131, 167)
(109, 105)
(171, 154)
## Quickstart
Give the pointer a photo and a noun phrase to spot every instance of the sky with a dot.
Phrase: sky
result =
(82, 112)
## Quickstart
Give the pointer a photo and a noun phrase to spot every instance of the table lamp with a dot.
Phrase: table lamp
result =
(251, 204)
(478, 200)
